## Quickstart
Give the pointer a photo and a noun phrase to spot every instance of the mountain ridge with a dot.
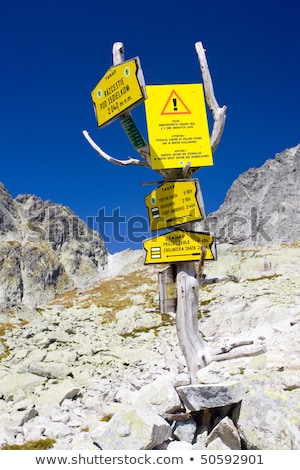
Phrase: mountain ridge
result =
(44, 249)
(262, 205)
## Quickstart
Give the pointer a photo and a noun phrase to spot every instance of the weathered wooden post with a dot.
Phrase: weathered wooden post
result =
(177, 177)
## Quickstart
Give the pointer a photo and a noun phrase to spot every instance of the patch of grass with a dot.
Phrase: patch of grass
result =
(6, 349)
(112, 295)
(41, 444)
(106, 418)
(67, 299)
(136, 331)
(207, 301)
(4, 327)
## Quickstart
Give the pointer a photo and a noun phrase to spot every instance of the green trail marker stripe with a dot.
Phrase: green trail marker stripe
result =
(132, 132)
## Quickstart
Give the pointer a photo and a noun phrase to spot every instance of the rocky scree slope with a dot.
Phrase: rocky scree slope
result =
(44, 249)
(102, 368)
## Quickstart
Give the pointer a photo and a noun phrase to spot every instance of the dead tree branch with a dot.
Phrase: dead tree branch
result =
(219, 114)
(228, 277)
(227, 349)
(109, 158)
(226, 356)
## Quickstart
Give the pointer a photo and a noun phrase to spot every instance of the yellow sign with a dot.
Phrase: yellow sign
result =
(177, 126)
(174, 203)
(178, 246)
(121, 88)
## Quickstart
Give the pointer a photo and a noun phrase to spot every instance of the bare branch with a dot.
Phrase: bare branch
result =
(118, 53)
(252, 351)
(227, 349)
(219, 114)
(109, 158)
(215, 280)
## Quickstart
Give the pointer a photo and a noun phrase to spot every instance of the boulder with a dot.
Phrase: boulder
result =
(226, 431)
(262, 425)
(159, 396)
(197, 397)
(133, 428)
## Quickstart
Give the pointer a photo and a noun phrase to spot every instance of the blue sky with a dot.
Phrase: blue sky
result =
(53, 53)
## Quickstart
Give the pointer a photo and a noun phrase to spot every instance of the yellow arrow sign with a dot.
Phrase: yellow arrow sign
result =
(177, 126)
(121, 88)
(178, 246)
(174, 203)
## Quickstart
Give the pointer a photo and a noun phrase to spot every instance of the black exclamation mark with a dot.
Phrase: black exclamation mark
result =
(175, 104)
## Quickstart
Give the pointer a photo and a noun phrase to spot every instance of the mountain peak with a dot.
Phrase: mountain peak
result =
(44, 249)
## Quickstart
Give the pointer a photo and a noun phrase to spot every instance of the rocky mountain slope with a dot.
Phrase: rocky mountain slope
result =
(97, 366)
(91, 367)
(44, 249)
(262, 205)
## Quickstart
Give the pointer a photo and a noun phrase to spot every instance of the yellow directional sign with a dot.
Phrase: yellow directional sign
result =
(177, 126)
(174, 203)
(178, 246)
(121, 88)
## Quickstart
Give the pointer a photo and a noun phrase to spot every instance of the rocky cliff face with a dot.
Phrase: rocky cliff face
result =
(44, 249)
(262, 205)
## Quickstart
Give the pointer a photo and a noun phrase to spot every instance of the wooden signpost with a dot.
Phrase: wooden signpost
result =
(179, 144)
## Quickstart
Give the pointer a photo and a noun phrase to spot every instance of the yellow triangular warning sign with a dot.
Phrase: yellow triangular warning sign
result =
(175, 105)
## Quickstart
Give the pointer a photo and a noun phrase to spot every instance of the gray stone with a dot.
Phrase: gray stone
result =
(61, 356)
(160, 396)
(213, 373)
(52, 370)
(80, 441)
(185, 430)
(201, 437)
(226, 431)
(217, 444)
(16, 384)
(262, 425)
(179, 445)
(55, 395)
(32, 432)
(23, 416)
(197, 397)
(58, 430)
(134, 428)
(7, 434)
(37, 355)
